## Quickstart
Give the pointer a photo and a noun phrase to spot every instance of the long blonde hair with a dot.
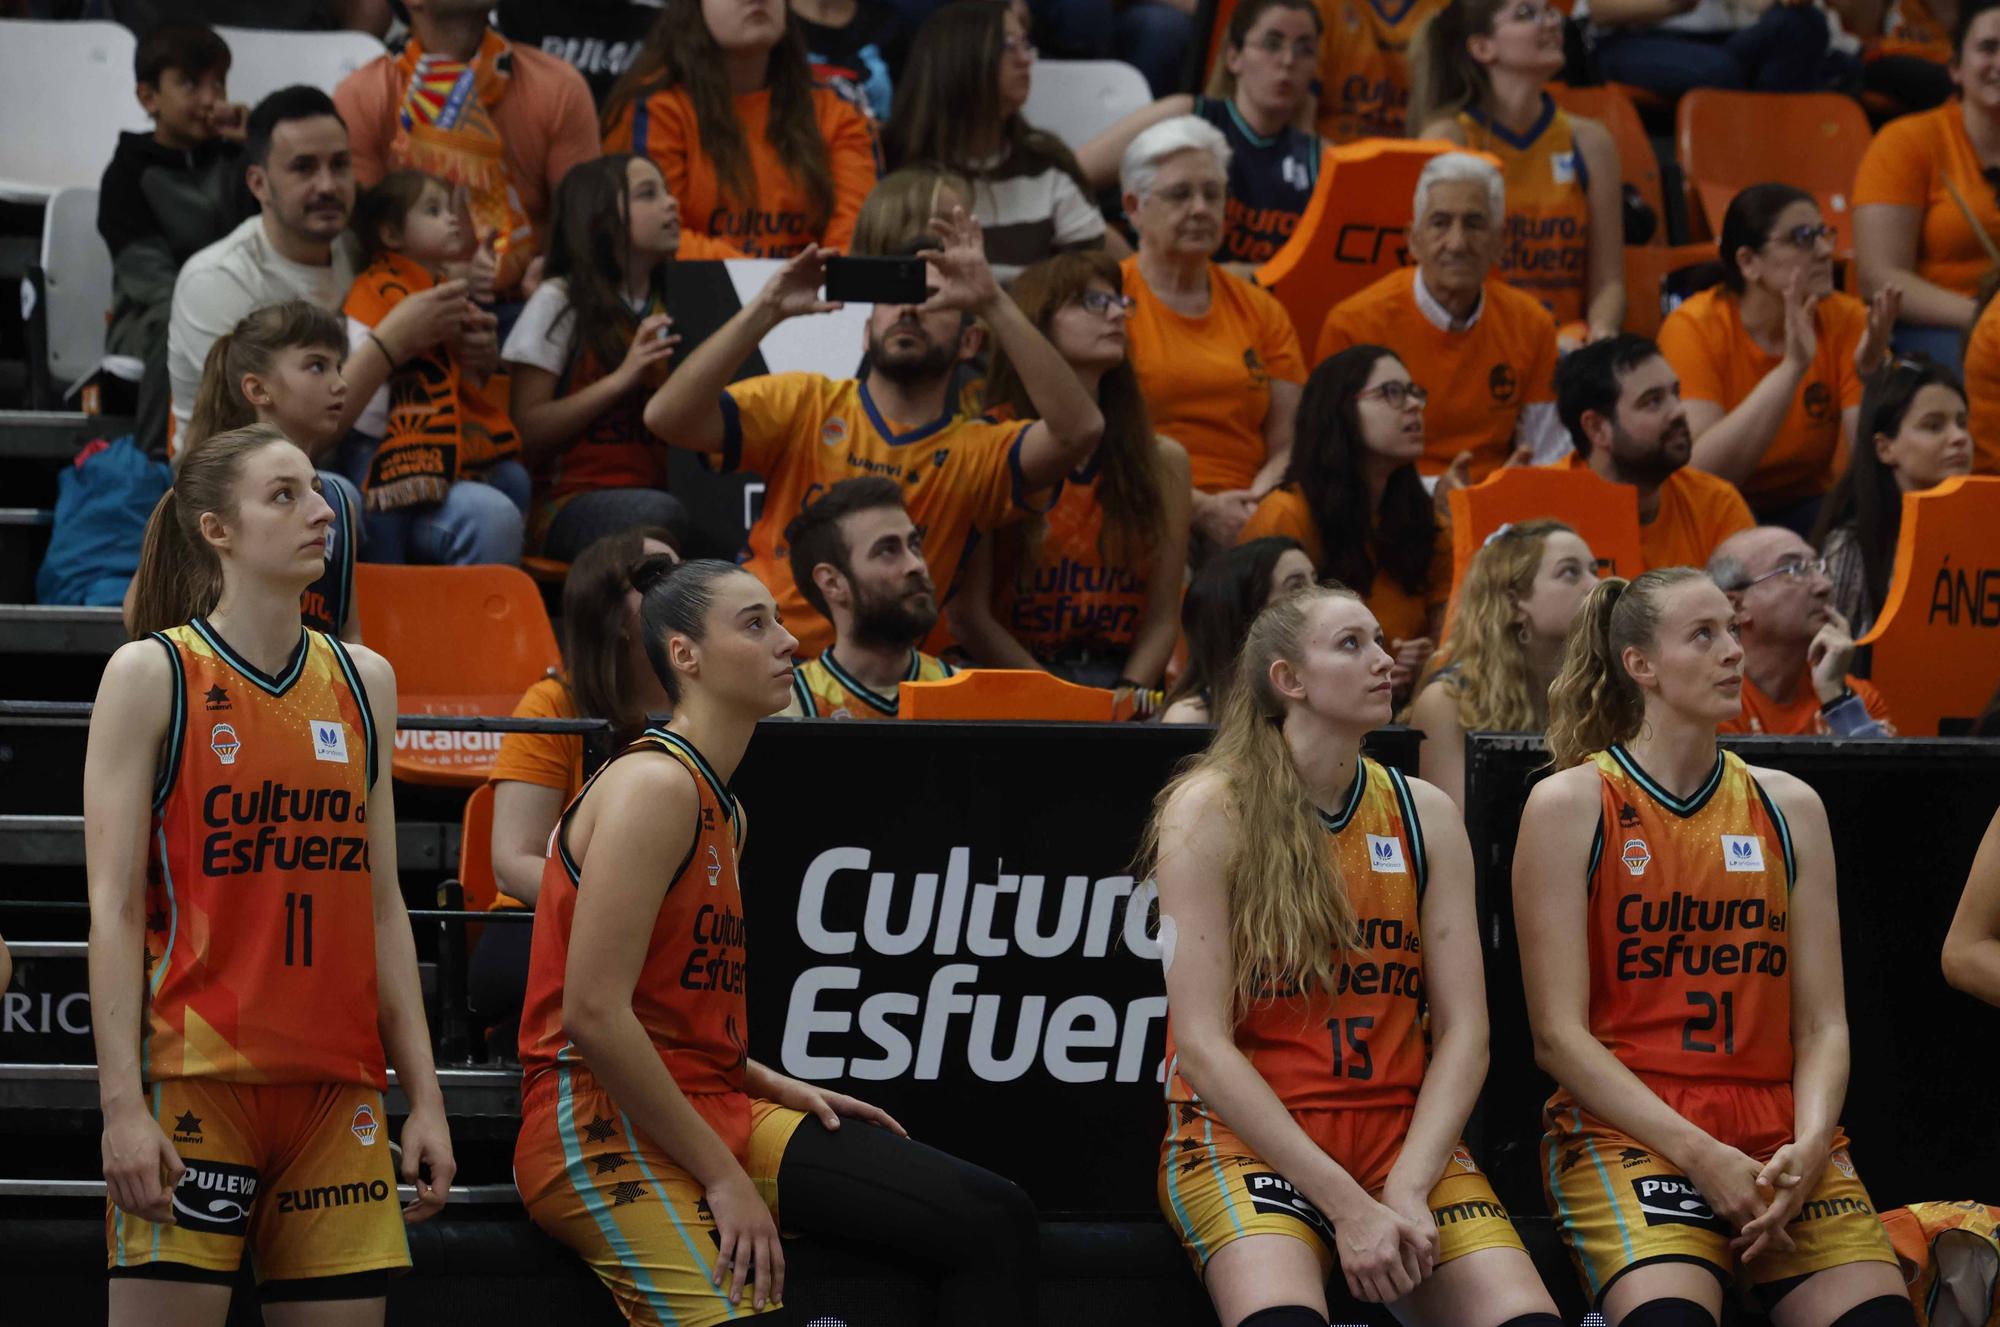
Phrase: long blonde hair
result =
(1289, 914)
(180, 576)
(1493, 689)
(1595, 703)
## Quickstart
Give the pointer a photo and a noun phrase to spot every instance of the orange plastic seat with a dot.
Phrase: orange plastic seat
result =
(1354, 230)
(1729, 141)
(1606, 515)
(1003, 693)
(464, 640)
(1936, 650)
(1638, 165)
(476, 881)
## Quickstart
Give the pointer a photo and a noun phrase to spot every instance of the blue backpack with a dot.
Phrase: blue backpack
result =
(102, 504)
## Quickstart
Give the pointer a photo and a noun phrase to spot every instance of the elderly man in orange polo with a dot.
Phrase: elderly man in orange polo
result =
(1484, 351)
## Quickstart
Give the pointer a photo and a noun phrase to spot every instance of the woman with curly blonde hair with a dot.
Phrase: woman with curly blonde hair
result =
(1494, 671)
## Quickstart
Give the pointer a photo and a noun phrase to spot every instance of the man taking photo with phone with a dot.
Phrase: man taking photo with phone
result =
(804, 432)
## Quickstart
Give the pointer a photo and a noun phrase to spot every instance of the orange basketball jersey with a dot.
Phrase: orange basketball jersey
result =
(1688, 903)
(260, 901)
(1547, 249)
(690, 995)
(1362, 1043)
(1073, 594)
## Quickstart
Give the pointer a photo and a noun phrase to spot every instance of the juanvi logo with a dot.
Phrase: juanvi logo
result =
(831, 1031)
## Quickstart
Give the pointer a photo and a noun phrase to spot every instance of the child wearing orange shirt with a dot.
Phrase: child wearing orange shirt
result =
(757, 154)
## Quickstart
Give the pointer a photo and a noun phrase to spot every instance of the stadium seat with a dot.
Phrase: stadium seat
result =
(464, 641)
(1076, 100)
(262, 60)
(71, 87)
(72, 288)
(1814, 140)
(1605, 514)
(1003, 693)
(1934, 657)
(475, 858)
(1353, 230)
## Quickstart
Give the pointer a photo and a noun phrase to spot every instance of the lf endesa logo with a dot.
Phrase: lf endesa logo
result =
(1076, 1039)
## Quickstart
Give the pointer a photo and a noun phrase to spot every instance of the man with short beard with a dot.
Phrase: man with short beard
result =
(959, 475)
(859, 559)
(1621, 402)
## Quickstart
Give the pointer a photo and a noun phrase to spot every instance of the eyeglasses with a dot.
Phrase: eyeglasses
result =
(1533, 13)
(1103, 302)
(1273, 44)
(1799, 570)
(1805, 237)
(1396, 395)
(1012, 45)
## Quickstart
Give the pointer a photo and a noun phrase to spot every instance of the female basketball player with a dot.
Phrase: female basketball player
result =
(650, 1142)
(1681, 947)
(1972, 949)
(1295, 880)
(250, 958)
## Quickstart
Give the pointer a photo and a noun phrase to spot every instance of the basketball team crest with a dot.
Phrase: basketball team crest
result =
(1637, 856)
(714, 866)
(833, 432)
(364, 1124)
(1461, 1156)
(222, 741)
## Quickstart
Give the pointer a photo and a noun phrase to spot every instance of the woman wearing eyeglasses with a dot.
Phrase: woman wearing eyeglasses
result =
(1261, 90)
(1479, 74)
(1352, 498)
(1091, 590)
(1771, 362)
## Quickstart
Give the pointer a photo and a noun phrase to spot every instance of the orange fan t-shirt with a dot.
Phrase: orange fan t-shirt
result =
(1689, 976)
(780, 221)
(547, 760)
(1375, 1054)
(690, 997)
(260, 896)
(1803, 715)
(1697, 511)
(1069, 591)
(1708, 346)
(1404, 616)
(1982, 391)
(1364, 66)
(805, 433)
(1207, 380)
(1478, 378)
(1907, 165)
(1546, 250)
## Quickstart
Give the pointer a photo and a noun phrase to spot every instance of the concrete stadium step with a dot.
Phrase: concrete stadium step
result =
(58, 841)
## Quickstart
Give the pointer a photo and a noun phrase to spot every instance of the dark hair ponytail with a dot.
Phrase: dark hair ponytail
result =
(677, 605)
(1748, 223)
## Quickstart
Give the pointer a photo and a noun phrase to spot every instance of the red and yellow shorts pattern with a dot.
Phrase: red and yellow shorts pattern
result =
(300, 1172)
(1214, 1190)
(1618, 1204)
(639, 1220)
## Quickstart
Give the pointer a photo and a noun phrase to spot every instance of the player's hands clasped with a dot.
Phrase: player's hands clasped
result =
(1384, 1253)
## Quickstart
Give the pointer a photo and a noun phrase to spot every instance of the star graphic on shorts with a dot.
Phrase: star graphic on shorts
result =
(628, 1192)
(609, 1162)
(189, 1122)
(599, 1129)
(156, 921)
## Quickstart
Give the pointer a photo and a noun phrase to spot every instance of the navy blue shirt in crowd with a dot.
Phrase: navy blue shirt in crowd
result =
(1270, 181)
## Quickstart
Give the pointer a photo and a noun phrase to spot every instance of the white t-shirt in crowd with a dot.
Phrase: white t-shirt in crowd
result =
(538, 339)
(236, 275)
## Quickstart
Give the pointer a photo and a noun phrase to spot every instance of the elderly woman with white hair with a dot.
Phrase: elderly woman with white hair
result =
(1218, 359)
(1484, 351)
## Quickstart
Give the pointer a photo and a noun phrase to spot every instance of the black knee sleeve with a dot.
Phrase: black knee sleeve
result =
(1537, 1320)
(1882, 1311)
(1674, 1312)
(1285, 1315)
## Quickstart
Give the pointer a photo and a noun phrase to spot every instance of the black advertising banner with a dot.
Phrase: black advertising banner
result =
(943, 921)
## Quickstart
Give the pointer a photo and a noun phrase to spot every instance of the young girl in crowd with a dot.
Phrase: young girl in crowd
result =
(605, 676)
(723, 100)
(1494, 672)
(1481, 70)
(591, 345)
(282, 365)
(1260, 92)
(1089, 591)
(1911, 437)
(268, 996)
(626, 1064)
(1222, 601)
(1352, 498)
(1326, 1009)
(1680, 939)
(958, 107)
(433, 451)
